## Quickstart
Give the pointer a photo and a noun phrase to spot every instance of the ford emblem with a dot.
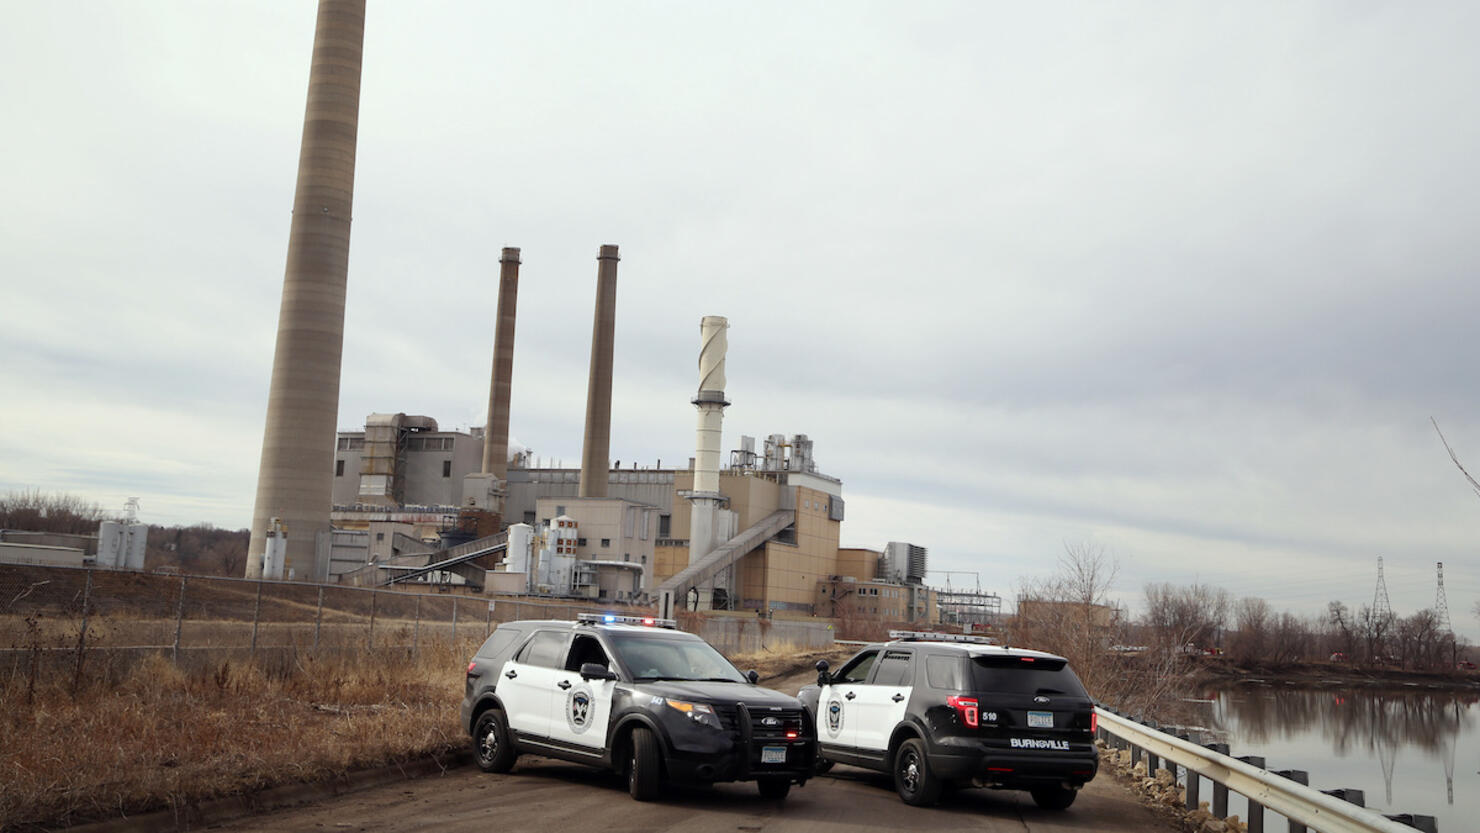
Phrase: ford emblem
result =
(770, 721)
(1040, 699)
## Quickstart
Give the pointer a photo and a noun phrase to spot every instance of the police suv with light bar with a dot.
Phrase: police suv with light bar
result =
(635, 695)
(935, 709)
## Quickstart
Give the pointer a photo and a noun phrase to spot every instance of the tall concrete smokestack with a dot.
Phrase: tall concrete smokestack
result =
(705, 500)
(496, 429)
(596, 448)
(297, 471)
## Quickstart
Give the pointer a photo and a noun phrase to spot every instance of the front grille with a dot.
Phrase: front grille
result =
(775, 724)
(726, 715)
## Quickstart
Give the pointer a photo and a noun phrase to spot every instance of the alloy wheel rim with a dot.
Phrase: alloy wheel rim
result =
(488, 747)
(910, 771)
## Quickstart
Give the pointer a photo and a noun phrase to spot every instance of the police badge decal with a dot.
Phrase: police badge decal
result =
(834, 716)
(578, 707)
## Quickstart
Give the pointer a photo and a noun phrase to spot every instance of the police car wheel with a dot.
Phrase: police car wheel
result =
(491, 747)
(644, 774)
(913, 780)
(1054, 798)
(774, 788)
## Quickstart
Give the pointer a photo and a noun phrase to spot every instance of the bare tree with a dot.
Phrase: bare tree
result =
(1185, 618)
(1069, 613)
(1250, 641)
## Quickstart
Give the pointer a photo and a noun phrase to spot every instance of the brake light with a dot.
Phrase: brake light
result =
(472, 665)
(1094, 722)
(648, 621)
(965, 709)
(1027, 659)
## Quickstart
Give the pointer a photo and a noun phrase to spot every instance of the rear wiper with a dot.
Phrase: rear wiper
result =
(1048, 691)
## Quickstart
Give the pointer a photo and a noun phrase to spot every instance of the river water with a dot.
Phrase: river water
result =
(1410, 750)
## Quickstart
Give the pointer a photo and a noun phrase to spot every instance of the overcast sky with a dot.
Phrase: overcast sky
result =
(1179, 280)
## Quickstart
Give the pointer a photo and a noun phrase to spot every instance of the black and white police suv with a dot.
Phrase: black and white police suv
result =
(938, 709)
(634, 695)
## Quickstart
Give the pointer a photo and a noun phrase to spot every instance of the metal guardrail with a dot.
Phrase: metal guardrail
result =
(1285, 793)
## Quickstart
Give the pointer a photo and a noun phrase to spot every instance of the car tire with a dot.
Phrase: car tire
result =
(913, 780)
(773, 788)
(491, 746)
(644, 770)
(823, 766)
(1054, 798)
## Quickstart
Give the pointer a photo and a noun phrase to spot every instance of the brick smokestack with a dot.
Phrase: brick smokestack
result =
(596, 449)
(297, 473)
(496, 429)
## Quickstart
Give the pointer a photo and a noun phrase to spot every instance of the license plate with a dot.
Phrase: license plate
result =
(773, 754)
(1040, 720)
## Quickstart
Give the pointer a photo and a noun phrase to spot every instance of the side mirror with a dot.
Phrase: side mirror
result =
(752, 676)
(596, 671)
(823, 678)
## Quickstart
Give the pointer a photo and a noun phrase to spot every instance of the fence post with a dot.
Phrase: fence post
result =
(179, 621)
(1299, 776)
(370, 638)
(256, 615)
(416, 629)
(318, 618)
(82, 633)
(454, 620)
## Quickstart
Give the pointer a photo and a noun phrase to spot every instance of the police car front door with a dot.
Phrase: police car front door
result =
(580, 711)
(836, 719)
(881, 705)
(526, 684)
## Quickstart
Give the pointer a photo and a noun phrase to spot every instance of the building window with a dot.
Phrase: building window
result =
(446, 468)
(665, 525)
(559, 510)
(606, 542)
(338, 468)
(529, 518)
(380, 536)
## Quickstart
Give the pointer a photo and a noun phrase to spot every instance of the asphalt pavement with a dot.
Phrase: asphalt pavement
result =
(547, 796)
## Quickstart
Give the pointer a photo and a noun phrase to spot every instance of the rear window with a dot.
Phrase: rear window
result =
(1015, 675)
(944, 672)
(499, 644)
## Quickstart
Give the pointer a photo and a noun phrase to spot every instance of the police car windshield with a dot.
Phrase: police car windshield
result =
(652, 657)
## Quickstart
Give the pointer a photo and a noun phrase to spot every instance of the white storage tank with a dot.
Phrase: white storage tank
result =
(136, 538)
(110, 545)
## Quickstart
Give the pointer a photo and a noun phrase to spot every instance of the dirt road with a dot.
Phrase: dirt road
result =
(545, 796)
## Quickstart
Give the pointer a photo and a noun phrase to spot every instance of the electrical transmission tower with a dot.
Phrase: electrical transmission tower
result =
(1382, 609)
(1441, 604)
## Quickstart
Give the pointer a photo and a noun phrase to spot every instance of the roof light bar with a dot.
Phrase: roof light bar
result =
(613, 619)
(930, 636)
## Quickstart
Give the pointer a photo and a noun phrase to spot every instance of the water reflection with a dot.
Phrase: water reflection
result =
(1355, 738)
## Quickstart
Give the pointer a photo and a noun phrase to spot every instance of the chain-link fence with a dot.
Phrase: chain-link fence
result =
(57, 622)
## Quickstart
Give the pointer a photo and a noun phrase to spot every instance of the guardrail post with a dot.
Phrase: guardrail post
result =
(179, 620)
(1220, 791)
(1428, 824)
(1256, 810)
(1299, 776)
(1135, 754)
(1349, 795)
(1194, 790)
(1152, 764)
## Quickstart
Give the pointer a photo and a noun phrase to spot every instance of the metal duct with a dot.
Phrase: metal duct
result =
(296, 478)
(500, 386)
(596, 447)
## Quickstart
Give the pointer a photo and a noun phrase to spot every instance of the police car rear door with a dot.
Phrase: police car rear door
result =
(526, 683)
(581, 708)
(881, 704)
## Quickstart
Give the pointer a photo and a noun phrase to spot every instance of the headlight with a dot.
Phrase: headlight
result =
(697, 712)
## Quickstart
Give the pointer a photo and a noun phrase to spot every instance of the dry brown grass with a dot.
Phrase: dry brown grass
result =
(160, 736)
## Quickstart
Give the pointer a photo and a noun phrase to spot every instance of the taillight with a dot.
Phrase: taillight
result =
(471, 666)
(1094, 722)
(965, 709)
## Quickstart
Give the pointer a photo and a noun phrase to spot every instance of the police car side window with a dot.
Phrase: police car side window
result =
(501, 641)
(943, 673)
(857, 671)
(585, 649)
(543, 650)
(894, 669)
